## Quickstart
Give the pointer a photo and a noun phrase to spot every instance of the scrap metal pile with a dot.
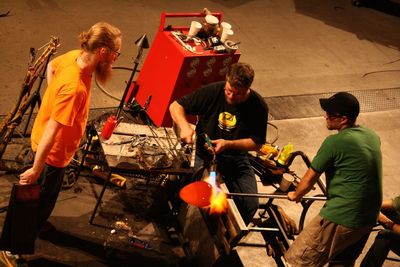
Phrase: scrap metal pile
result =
(145, 146)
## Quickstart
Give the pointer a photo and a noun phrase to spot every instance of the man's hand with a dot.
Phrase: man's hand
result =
(293, 196)
(178, 115)
(30, 176)
(187, 134)
(220, 145)
(305, 185)
(210, 149)
(385, 221)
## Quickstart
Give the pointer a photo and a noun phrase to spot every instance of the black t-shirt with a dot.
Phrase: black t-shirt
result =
(218, 119)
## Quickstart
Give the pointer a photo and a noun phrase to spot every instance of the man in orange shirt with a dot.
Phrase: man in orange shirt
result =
(61, 121)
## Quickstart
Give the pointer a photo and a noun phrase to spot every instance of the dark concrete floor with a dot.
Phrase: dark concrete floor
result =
(72, 241)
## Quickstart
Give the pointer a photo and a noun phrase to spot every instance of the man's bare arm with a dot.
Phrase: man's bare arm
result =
(46, 143)
(305, 185)
(246, 144)
(178, 115)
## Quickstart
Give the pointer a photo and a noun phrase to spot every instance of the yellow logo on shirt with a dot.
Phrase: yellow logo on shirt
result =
(227, 121)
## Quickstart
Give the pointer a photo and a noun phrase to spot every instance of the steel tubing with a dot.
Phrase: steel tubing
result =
(274, 196)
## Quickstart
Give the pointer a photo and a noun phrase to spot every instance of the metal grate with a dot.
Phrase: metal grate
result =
(304, 106)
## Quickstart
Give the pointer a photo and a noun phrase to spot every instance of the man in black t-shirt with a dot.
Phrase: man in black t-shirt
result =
(235, 118)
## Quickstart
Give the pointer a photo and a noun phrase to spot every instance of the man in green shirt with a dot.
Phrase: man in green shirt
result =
(352, 162)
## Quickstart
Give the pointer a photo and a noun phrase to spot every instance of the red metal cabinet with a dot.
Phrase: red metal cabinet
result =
(170, 71)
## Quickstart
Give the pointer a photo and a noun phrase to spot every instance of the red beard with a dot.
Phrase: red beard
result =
(103, 72)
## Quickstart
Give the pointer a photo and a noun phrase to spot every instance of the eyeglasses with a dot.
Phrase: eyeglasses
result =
(235, 92)
(116, 52)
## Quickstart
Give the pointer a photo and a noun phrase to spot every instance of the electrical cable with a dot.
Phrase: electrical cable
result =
(277, 132)
(390, 62)
(378, 71)
(103, 89)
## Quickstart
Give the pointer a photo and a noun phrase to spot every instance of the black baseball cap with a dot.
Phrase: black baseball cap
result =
(341, 103)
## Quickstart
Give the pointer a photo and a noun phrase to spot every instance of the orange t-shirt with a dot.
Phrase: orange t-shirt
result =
(66, 100)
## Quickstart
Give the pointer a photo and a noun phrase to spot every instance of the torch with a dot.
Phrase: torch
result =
(111, 122)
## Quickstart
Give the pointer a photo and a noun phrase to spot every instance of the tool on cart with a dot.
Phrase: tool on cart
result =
(285, 154)
(180, 38)
(110, 124)
(124, 232)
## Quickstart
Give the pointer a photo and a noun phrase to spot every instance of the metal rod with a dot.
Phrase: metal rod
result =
(263, 229)
(141, 43)
(272, 196)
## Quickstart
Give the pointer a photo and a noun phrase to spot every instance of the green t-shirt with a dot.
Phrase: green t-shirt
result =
(352, 162)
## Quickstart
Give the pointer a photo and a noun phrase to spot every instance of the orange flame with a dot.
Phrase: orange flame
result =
(218, 201)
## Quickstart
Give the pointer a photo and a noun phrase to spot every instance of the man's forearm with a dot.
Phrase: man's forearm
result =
(305, 185)
(387, 204)
(178, 115)
(246, 144)
(42, 152)
(45, 145)
(46, 142)
(396, 228)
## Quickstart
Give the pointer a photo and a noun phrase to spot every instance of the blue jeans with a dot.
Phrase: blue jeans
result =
(239, 177)
(385, 241)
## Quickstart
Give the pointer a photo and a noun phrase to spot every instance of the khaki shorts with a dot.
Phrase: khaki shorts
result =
(320, 240)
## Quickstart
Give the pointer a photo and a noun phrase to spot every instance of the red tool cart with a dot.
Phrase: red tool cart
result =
(171, 70)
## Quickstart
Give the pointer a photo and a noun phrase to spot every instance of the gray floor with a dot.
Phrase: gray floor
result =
(297, 48)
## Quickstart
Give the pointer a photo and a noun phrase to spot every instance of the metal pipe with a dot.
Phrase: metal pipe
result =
(262, 229)
(141, 43)
(273, 196)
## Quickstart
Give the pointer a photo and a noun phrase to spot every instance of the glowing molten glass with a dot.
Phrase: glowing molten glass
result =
(197, 194)
(202, 194)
